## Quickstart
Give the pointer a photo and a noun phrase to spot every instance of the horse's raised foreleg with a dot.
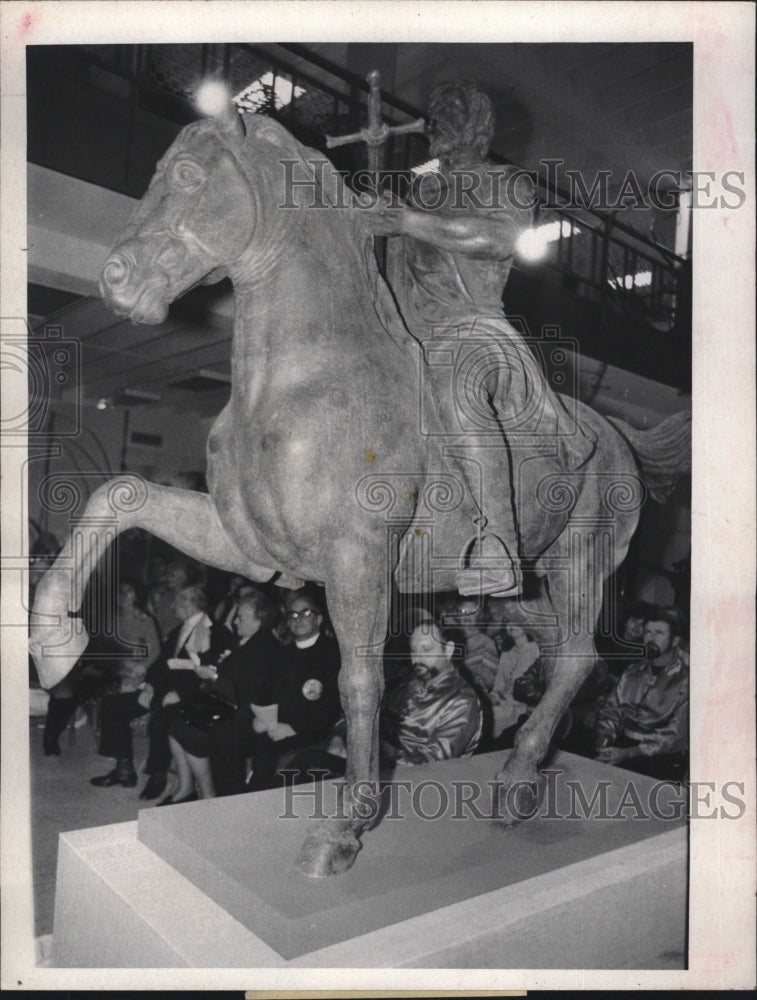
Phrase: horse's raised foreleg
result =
(188, 521)
(358, 609)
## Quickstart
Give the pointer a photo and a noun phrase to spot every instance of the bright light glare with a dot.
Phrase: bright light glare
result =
(253, 95)
(643, 279)
(533, 243)
(212, 98)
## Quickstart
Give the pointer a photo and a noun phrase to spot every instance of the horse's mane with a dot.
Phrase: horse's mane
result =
(335, 193)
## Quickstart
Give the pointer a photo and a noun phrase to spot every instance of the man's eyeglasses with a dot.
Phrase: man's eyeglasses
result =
(305, 613)
(466, 612)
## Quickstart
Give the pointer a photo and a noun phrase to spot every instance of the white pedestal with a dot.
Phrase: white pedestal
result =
(118, 904)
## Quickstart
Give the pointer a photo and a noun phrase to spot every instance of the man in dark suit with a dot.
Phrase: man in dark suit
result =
(170, 678)
(304, 696)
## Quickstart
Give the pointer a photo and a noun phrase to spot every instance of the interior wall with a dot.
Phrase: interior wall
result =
(92, 445)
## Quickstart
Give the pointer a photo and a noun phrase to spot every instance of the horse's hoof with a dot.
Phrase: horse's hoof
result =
(56, 640)
(515, 801)
(327, 852)
(56, 650)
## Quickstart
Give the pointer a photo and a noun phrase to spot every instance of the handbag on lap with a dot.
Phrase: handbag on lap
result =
(204, 709)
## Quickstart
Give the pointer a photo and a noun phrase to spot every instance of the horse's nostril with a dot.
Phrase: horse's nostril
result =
(116, 271)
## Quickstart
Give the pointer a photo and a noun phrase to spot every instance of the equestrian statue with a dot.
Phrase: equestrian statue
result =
(372, 438)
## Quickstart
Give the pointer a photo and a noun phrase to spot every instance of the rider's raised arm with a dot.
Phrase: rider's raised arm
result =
(471, 233)
(468, 232)
(485, 225)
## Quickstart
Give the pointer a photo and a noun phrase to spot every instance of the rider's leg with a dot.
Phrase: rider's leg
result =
(529, 411)
(490, 564)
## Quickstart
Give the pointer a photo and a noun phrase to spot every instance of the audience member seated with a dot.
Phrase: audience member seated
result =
(434, 714)
(304, 702)
(624, 646)
(480, 657)
(92, 679)
(136, 628)
(496, 613)
(162, 597)
(226, 610)
(64, 699)
(643, 725)
(397, 659)
(171, 677)
(518, 685)
(221, 711)
(578, 734)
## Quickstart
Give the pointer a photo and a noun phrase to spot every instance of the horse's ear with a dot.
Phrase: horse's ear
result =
(229, 121)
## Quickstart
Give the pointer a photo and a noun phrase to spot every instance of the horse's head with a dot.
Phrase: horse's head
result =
(196, 218)
(236, 200)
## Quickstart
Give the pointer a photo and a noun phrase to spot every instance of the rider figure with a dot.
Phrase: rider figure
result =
(448, 274)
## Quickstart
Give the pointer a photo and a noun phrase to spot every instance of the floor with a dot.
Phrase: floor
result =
(63, 799)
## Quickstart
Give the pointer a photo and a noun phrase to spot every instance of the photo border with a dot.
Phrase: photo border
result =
(722, 853)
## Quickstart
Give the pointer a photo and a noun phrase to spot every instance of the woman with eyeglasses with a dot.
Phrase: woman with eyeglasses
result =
(306, 690)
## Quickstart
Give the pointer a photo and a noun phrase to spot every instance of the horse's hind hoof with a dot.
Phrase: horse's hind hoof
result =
(327, 851)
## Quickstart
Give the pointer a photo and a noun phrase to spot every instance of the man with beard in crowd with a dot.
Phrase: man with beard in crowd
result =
(434, 714)
(643, 725)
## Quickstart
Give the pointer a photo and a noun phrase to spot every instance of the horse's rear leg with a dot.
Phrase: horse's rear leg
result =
(358, 609)
(575, 599)
(518, 779)
(188, 521)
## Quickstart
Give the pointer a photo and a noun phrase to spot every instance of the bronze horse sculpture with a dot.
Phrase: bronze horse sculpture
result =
(316, 466)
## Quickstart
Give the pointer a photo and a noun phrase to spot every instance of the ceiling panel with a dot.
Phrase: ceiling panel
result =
(112, 374)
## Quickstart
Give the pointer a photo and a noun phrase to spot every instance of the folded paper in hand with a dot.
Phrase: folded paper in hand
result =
(175, 663)
(267, 714)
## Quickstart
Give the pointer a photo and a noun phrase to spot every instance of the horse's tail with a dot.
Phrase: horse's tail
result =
(663, 453)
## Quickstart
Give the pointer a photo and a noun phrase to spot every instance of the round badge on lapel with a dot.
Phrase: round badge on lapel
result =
(312, 689)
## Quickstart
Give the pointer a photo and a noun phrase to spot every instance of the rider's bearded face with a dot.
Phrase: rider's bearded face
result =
(450, 128)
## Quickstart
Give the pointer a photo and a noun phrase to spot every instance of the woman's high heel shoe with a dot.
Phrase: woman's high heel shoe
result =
(169, 800)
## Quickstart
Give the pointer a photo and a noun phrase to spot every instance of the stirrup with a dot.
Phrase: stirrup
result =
(487, 568)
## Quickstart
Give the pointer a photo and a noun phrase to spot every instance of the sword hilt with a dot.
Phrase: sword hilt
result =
(377, 132)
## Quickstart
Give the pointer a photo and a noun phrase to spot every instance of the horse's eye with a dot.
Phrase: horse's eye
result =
(186, 173)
